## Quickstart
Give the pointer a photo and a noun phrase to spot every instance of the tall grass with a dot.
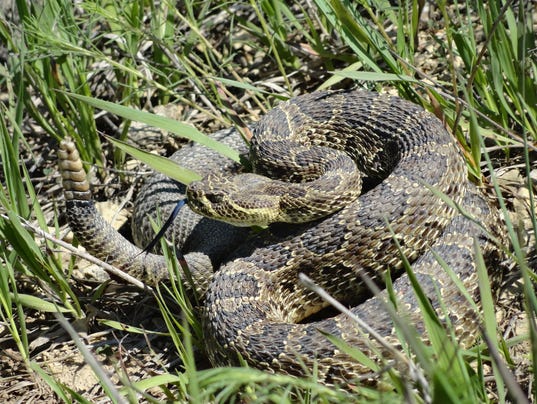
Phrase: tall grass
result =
(227, 63)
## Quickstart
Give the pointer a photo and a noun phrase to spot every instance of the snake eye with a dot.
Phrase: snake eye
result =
(214, 198)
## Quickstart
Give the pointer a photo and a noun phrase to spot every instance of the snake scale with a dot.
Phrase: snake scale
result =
(358, 176)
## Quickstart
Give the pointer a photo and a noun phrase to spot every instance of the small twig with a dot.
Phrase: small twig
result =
(123, 203)
(308, 282)
(414, 370)
(82, 254)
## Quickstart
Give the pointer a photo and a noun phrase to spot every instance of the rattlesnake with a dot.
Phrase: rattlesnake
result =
(402, 159)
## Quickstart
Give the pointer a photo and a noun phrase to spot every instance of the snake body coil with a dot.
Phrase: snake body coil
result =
(312, 157)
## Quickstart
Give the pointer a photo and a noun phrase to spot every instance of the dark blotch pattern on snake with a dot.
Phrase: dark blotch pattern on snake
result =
(331, 147)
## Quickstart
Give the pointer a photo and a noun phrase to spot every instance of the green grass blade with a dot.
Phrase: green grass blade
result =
(352, 352)
(375, 76)
(55, 385)
(158, 163)
(36, 303)
(171, 125)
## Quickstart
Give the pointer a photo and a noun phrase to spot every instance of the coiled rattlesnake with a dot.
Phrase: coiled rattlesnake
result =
(397, 155)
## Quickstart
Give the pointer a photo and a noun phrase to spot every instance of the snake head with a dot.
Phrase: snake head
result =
(240, 200)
